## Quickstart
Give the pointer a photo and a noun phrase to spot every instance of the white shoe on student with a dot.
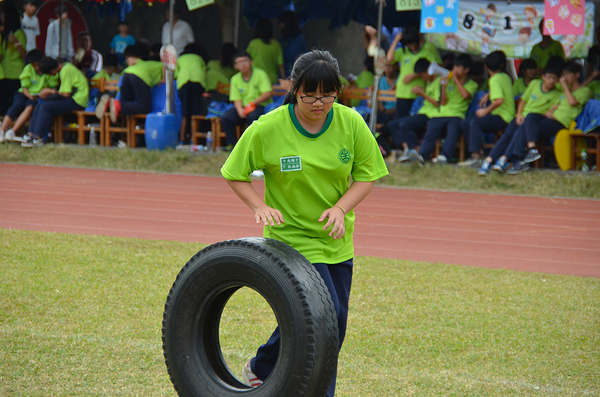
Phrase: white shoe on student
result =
(248, 376)
(9, 135)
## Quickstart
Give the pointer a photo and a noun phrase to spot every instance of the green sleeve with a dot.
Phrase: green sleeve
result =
(234, 91)
(368, 164)
(265, 83)
(66, 83)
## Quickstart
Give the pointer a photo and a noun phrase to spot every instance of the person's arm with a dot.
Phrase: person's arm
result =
(18, 45)
(263, 97)
(591, 77)
(239, 108)
(461, 88)
(494, 105)
(392, 50)
(336, 215)
(519, 117)
(262, 212)
(443, 93)
(282, 71)
(568, 94)
(421, 92)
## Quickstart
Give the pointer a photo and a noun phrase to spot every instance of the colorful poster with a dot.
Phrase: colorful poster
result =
(408, 5)
(193, 4)
(564, 17)
(439, 16)
(485, 26)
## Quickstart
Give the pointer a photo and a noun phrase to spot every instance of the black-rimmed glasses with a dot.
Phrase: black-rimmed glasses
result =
(313, 99)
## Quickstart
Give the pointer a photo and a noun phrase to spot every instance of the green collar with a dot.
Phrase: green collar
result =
(302, 130)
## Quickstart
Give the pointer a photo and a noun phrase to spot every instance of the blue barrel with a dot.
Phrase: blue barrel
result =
(161, 131)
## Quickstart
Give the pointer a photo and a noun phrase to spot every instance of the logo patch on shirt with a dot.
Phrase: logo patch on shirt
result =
(345, 156)
(292, 163)
(534, 97)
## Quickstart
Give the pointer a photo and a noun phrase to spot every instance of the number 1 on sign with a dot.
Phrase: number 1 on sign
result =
(407, 5)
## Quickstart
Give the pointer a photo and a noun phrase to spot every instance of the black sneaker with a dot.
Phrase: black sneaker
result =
(532, 155)
(517, 167)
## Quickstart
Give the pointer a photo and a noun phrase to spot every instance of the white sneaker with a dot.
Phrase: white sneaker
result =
(9, 135)
(1, 136)
(248, 376)
(102, 106)
(440, 160)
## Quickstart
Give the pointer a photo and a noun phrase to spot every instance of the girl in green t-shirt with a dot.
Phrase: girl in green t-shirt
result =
(12, 50)
(309, 148)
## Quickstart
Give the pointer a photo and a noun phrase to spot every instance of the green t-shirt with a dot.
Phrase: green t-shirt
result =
(12, 62)
(541, 55)
(594, 86)
(407, 66)
(565, 113)
(31, 80)
(365, 79)
(433, 90)
(103, 73)
(305, 174)
(519, 87)
(228, 72)
(267, 57)
(501, 87)
(248, 91)
(213, 78)
(150, 72)
(538, 101)
(190, 67)
(70, 77)
(457, 105)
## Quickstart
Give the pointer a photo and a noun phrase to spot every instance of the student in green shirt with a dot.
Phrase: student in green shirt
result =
(527, 71)
(110, 68)
(413, 48)
(250, 91)
(407, 131)
(593, 84)
(266, 52)
(190, 75)
(494, 117)
(310, 149)
(456, 94)
(12, 49)
(546, 49)
(538, 98)
(72, 94)
(135, 90)
(24, 100)
(544, 126)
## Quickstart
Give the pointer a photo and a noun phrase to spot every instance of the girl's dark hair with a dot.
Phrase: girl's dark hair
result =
(241, 54)
(131, 51)
(370, 64)
(496, 61)
(227, 52)
(422, 65)
(196, 49)
(464, 60)
(47, 65)
(556, 62)
(527, 64)
(264, 30)
(291, 27)
(33, 56)
(12, 22)
(411, 36)
(110, 59)
(313, 70)
(573, 67)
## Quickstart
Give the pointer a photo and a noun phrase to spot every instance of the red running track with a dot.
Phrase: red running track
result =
(548, 235)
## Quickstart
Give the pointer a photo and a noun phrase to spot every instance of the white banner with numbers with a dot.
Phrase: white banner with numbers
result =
(484, 27)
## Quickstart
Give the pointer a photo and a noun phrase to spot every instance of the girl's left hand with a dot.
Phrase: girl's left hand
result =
(336, 217)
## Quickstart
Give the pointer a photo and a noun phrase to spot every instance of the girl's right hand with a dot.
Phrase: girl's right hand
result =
(519, 119)
(268, 215)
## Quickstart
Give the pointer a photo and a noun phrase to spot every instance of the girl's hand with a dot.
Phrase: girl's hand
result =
(519, 119)
(418, 90)
(482, 112)
(563, 81)
(408, 78)
(268, 216)
(336, 217)
(484, 100)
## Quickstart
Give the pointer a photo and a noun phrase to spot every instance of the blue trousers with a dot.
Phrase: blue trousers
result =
(19, 103)
(408, 130)
(403, 107)
(338, 279)
(44, 113)
(475, 127)
(136, 96)
(534, 127)
(231, 119)
(500, 148)
(435, 129)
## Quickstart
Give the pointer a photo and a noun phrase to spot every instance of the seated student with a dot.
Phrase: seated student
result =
(494, 117)
(72, 94)
(455, 96)
(405, 132)
(412, 49)
(593, 84)
(110, 68)
(85, 58)
(545, 49)
(538, 98)
(190, 75)
(135, 90)
(540, 126)
(527, 71)
(25, 100)
(250, 91)
(387, 110)
(364, 79)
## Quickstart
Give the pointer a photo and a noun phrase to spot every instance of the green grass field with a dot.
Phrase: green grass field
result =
(536, 183)
(81, 316)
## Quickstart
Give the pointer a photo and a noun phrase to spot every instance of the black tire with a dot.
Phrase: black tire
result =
(298, 296)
